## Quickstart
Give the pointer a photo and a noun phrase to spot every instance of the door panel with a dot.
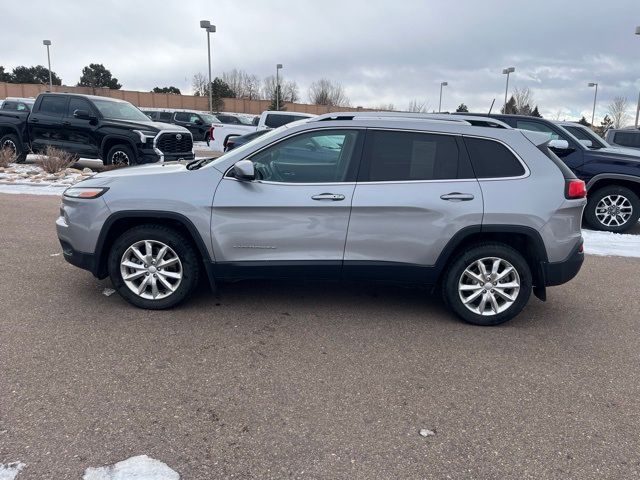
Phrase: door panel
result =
(45, 125)
(295, 215)
(79, 134)
(415, 191)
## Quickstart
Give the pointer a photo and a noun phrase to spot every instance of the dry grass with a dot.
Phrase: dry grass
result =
(7, 156)
(55, 160)
(106, 168)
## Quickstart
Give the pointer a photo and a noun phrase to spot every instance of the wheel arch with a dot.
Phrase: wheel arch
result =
(526, 240)
(606, 180)
(111, 141)
(119, 222)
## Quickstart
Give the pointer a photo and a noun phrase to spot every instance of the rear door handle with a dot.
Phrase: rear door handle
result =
(34, 120)
(457, 197)
(66, 124)
(336, 197)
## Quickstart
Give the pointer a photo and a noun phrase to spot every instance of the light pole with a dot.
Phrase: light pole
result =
(442, 84)
(638, 107)
(507, 71)
(47, 43)
(206, 24)
(278, 67)
(595, 97)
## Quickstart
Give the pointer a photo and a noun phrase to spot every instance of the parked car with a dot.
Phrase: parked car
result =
(17, 104)
(612, 175)
(487, 214)
(624, 137)
(221, 133)
(234, 142)
(92, 127)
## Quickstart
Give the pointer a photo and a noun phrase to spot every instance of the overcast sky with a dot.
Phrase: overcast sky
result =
(381, 51)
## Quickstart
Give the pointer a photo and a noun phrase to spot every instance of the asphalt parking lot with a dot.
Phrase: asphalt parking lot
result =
(310, 380)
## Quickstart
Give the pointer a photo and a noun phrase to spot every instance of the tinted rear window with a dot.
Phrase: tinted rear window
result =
(627, 139)
(405, 156)
(53, 105)
(275, 121)
(491, 159)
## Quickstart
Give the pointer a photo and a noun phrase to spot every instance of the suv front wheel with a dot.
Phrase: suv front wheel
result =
(487, 285)
(153, 267)
(613, 209)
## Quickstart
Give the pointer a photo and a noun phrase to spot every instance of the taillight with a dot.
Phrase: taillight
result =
(211, 133)
(575, 189)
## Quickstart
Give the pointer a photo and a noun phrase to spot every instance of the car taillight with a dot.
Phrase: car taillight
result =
(575, 189)
(211, 133)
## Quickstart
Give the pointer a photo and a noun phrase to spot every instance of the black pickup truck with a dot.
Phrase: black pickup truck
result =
(93, 127)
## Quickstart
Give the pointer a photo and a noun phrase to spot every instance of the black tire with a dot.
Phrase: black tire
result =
(596, 197)
(121, 155)
(467, 258)
(180, 245)
(12, 142)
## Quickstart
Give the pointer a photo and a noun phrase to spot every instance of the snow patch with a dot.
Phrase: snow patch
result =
(141, 467)
(10, 470)
(33, 189)
(611, 244)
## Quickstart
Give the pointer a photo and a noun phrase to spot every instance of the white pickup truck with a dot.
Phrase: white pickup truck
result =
(221, 132)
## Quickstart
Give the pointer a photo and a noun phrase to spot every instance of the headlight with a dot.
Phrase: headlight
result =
(84, 192)
(146, 135)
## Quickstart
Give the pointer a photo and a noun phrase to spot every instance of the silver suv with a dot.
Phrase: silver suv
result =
(486, 214)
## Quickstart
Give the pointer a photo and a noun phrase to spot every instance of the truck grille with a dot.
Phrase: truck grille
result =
(169, 142)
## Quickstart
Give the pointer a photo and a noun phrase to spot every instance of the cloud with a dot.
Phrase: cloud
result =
(381, 51)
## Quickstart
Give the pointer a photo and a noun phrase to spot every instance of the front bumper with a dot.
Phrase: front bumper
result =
(557, 273)
(86, 261)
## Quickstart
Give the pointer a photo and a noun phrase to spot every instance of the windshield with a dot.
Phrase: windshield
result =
(119, 111)
(246, 120)
(582, 133)
(208, 119)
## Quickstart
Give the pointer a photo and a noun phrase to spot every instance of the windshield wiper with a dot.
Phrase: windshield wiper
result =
(201, 162)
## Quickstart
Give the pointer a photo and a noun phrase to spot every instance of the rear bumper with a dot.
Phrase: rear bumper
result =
(557, 273)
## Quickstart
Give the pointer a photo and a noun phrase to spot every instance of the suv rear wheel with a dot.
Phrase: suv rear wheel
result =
(12, 143)
(153, 267)
(488, 284)
(613, 208)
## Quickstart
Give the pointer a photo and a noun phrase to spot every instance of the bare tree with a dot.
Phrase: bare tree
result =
(236, 80)
(618, 111)
(199, 84)
(326, 92)
(252, 85)
(417, 107)
(524, 100)
(290, 91)
(268, 90)
(386, 107)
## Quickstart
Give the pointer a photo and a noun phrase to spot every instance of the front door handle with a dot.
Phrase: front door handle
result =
(335, 197)
(34, 120)
(457, 197)
(66, 124)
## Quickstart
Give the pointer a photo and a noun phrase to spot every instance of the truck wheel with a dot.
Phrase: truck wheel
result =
(12, 143)
(613, 209)
(488, 284)
(153, 266)
(121, 156)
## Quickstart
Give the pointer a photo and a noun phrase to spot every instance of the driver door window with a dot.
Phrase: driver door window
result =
(323, 156)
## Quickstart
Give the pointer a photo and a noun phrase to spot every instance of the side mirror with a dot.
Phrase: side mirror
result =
(82, 115)
(586, 143)
(559, 144)
(244, 170)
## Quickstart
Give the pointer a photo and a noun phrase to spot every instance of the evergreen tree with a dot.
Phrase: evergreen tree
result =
(4, 76)
(174, 90)
(583, 121)
(219, 90)
(535, 112)
(510, 107)
(37, 74)
(96, 75)
(462, 108)
(277, 100)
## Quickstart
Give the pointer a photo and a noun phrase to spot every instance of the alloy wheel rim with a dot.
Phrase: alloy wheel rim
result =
(120, 158)
(614, 210)
(151, 269)
(489, 286)
(9, 144)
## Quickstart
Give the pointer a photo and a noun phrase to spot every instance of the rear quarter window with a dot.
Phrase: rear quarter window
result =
(491, 159)
(627, 139)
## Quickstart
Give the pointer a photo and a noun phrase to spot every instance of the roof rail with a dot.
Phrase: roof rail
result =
(387, 115)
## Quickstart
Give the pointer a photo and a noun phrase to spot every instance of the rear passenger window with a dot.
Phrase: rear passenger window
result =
(401, 156)
(53, 105)
(627, 139)
(275, 121)
(164, 116)
(491, 159)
